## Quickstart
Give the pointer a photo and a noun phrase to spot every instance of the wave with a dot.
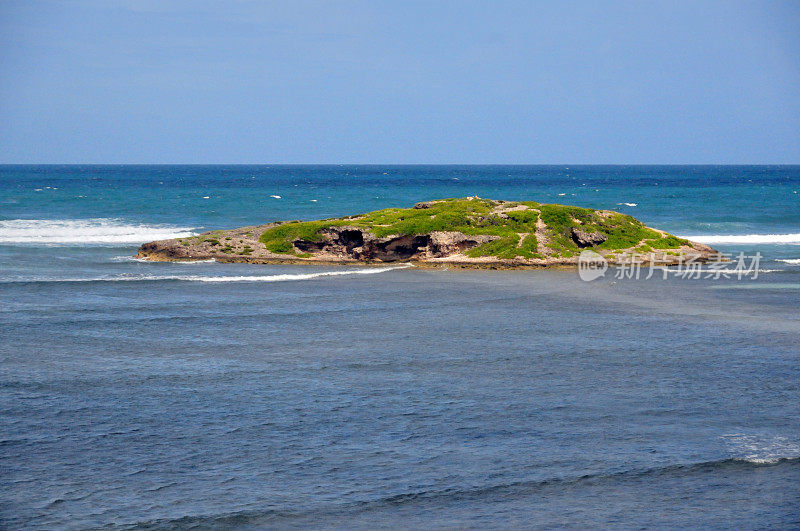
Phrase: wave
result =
(206, 261)
(201, 278)
(790, 261)
(521, 488)
(745, 238)
(622, 476)
(730, 271)
(761, 449)
(129, 258)
(91, 231)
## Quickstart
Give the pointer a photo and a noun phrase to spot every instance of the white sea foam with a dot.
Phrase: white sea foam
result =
(790, 261)
(129, 258)
(745, 238)
(761, 449)
(93, 231)
(628, 204)
(758, 286)
(201, 278)
(729, 271)
(287, 277)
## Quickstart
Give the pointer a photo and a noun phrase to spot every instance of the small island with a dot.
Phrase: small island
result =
(467, 232)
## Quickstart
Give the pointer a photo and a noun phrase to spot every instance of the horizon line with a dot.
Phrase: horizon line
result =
(395, 164)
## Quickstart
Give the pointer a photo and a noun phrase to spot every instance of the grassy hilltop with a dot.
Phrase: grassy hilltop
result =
(515, 223)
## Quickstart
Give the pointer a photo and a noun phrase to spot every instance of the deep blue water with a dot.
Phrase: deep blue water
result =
(219, 395)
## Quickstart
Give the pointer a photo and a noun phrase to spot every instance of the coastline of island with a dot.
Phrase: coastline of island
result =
(467, 232)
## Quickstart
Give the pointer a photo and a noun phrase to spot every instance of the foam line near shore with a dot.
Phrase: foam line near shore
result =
(745, 238)
(200, 278)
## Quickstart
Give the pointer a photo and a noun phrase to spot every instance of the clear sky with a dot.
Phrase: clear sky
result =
(460, 81)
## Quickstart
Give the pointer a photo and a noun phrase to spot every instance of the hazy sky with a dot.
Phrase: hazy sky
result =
(399, 82)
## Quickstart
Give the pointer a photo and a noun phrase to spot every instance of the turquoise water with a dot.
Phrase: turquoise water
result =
(203, 394)
(759, 202)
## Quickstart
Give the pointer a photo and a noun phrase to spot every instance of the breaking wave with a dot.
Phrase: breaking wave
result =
(130, 258)
(92, 231)
(745, 238)
(207, 278)
(760, 449)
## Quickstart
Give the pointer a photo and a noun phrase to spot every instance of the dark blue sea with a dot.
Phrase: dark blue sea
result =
(209, 395)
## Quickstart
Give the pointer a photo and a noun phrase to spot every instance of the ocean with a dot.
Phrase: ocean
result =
(163, 395)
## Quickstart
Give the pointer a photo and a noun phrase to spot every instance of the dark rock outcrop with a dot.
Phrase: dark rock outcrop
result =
(584, 238)
(360, 244)
(447, 243)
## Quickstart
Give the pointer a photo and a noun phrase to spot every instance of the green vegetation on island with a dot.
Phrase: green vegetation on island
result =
(467, 232)
(513, 223)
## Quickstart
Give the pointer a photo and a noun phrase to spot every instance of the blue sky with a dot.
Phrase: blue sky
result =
(462, 81)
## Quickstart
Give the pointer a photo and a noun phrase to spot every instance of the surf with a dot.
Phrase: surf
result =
(745, 238)
(90, 231)
(286, 277)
